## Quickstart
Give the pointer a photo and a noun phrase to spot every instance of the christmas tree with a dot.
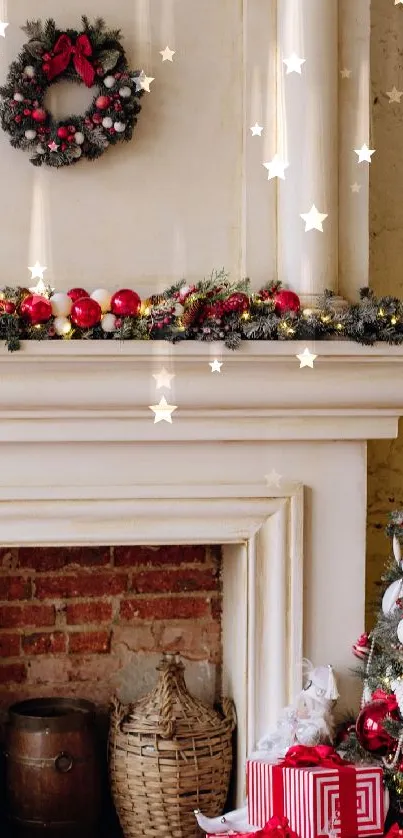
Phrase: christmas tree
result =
(377, 735)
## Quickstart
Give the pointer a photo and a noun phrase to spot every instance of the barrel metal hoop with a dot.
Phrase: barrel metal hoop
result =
(50, 761)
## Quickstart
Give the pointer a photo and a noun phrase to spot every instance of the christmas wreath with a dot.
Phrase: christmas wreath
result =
(214, 309)
(94, 57)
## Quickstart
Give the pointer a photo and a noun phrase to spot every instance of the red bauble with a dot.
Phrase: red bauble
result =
(237, 302)
(9, 307)
(86, 313)
(286, 301)
(36, 309)
(370, 732)
(102, 102)
(39, 115)
(62, 132)
(97, 118)
(77, 294)
(125, 303)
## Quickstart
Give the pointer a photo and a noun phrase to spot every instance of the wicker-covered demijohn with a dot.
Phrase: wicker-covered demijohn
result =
(169, 754)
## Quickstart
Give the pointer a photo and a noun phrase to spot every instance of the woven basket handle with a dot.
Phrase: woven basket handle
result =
(119, 713)
(229, 712)
(168, 682)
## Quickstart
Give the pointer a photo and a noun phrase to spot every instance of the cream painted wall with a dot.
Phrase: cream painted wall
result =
(385, 459)
(168, 203)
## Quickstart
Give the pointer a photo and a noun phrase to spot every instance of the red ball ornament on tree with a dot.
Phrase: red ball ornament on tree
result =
(36, 309)
(77, 294)
(86, 313)
(286, 301)
(237, 302)
(125, 303)
(62, 132)
(370, 731)
(102, 102)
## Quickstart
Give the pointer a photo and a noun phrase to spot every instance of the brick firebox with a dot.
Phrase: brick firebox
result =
(91, 620)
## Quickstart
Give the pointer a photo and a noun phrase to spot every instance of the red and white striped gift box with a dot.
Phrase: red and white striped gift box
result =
(313, 801)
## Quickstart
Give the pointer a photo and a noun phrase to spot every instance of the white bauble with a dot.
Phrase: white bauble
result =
(392, 593)
(18, 97)
(79, 137)
(119, 127)
(107, 122)
(125, 92)
(103, 297)
(179, 309)
(29, 71)
(62, 325)
(109, 82)
(40, 149)
(397, 549)
(61, 305)
(400, 631)
(30, 134)
(108, 323)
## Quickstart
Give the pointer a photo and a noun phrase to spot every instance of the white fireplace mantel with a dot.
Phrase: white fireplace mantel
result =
(82, 462)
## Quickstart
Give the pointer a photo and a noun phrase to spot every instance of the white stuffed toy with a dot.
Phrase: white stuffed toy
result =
(308, 721)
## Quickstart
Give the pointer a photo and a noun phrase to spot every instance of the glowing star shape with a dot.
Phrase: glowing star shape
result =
(143, 82)
(345, 73)
(3, 27)
(394, 95)
(163, 411)
(364, 153)
(167, 54)
(163, 378)
(276, 167)
(215, 366)
(53, 146)
(306, 359)
(313, 219)
(256, 130)
(294, 64)
(37, 271)
(355, 187)
(273, 479)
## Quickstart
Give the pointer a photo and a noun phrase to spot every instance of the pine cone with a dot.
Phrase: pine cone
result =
(194, 305)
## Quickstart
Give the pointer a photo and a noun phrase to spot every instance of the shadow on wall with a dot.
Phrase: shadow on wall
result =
(385, 493)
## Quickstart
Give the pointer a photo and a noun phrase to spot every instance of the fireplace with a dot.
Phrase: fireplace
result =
(266, 460)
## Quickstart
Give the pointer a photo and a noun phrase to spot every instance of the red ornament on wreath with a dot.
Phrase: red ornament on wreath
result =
(237, 302)
(36, 309)
(86, 313)
(371, 734)
(286, 301)
(77, 294)
(125, 303)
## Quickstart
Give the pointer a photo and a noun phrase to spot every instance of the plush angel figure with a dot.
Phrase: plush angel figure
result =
(308, 721)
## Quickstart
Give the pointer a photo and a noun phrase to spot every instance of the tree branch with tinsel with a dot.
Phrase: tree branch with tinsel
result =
(214, 309)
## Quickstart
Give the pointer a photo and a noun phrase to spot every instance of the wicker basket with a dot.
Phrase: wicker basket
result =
(169, 754)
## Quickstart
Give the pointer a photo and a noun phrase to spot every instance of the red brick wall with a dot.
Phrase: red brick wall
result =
(79, 621)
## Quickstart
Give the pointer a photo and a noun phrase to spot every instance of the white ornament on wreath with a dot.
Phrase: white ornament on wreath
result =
(79, 137)
(62, 326)
(61, 305)
(109, 82)
(103, 297)
(125, 92)
(29, 71)
(108, 323)
(30, 134)
(107, 122)
(119, 127)
(18, 97)
(392, 593)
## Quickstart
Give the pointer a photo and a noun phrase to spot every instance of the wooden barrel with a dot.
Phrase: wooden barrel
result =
(52, 769)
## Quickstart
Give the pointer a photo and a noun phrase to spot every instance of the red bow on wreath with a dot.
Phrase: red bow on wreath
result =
(63, 51)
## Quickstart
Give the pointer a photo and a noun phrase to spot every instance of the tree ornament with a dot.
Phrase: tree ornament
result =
(185, 291)
(108, 323)
(103, 297)
(371, 734)
(286, 301)
(86, 313)
(391, 595)
(88, 57)
(119, 127)
(36, 309)
(396, 549)
(362, 647)
(77, 294)
(237, 302)
(125, 303)
(62, 326)
(107, 122)
(61, 304)
(397, 687)
(193, 306)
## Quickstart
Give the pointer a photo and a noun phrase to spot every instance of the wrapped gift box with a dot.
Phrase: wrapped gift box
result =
(346, 801)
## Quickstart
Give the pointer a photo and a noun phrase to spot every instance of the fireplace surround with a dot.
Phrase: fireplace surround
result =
(265, 458)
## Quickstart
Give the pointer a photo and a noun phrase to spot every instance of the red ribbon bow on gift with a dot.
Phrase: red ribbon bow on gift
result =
(63, 51)
(395, 831)
(302, 756)
(274, 828)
